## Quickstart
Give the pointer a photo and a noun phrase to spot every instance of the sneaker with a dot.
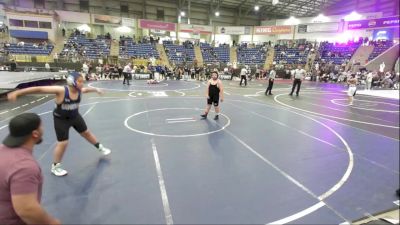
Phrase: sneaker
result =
(58, 170)
(204, 116)
(104, 150)
(216, 117)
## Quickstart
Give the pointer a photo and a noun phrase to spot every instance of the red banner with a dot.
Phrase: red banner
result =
(273, 30)
(156, 25)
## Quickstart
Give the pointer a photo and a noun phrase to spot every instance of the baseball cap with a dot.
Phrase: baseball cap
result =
(20, 128)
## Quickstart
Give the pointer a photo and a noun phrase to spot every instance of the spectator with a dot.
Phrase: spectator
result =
(13, 66)
(21, 179)
(47, 66)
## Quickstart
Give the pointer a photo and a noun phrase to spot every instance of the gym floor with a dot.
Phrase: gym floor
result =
(276, 159)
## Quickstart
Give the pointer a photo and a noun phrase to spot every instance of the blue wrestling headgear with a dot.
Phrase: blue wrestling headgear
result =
(72, 78)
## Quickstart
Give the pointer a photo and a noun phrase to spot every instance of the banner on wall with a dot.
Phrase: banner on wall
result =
(273, 30)
(104, 19)
(157, 25)
(191, 28)
(74, 17)
(233, 30)
(374, 23)
(318, 28)
(128, 22)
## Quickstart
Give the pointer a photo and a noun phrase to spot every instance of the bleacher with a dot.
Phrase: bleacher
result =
(338, 53)
(251, 56)
(128, 48)
(90, 48)
(379, 48)
(214, 54)
(29, 49)
(178, 53)
(297, 55)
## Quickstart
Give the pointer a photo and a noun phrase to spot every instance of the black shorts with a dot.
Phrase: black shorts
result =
(213, 100)
(62, 125)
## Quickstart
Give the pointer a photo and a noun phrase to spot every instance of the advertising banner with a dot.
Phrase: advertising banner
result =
(104, 19)
(128, 22)
(233, 30)
(191, 28)
(374, 23)
(273, 30)
(157, 25)
(74, 17)
(322, 27)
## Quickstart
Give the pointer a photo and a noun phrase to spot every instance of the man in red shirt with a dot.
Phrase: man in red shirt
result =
(21, 178)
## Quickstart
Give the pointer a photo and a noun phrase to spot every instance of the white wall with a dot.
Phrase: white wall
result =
(222, 39)
(257, 39)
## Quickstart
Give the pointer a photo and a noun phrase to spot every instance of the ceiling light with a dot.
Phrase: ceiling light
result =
(256, 7)
(216, 13)
(183, 13)
(352, 16)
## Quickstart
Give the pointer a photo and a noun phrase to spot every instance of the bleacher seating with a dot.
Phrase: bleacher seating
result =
(29, 49)
(179, 53)
(379, 48)
(251, 56)
(90, 48)
(296, 55)
(128, 48)
(338, 53)
(214, 54)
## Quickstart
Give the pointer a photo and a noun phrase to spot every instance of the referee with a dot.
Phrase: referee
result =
(271, 79)
(126, 72)
(299, 75)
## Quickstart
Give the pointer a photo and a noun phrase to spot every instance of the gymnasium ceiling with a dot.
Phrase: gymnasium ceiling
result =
(284, 9)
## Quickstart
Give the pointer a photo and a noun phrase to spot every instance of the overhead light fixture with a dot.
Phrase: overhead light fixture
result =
(292, 21)
(217, 13)
(256, 7)
(352, 16)
(183, 13)
(274, 2)
(321, 19)
(84, 27)
(124, 29)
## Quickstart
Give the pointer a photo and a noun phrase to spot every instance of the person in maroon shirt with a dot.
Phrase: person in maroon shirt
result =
(21, 178)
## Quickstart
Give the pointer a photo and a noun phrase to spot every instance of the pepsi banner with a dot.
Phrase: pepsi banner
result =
(373, 23)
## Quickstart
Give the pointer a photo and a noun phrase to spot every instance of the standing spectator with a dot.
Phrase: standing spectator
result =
(21, 177)
(243, 76)
(85, 68)
(63, 32)
(13, 66)
(368, 81)
(47, 66)
(55, 57)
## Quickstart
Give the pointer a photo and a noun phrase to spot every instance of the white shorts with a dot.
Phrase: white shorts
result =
(351, 91)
